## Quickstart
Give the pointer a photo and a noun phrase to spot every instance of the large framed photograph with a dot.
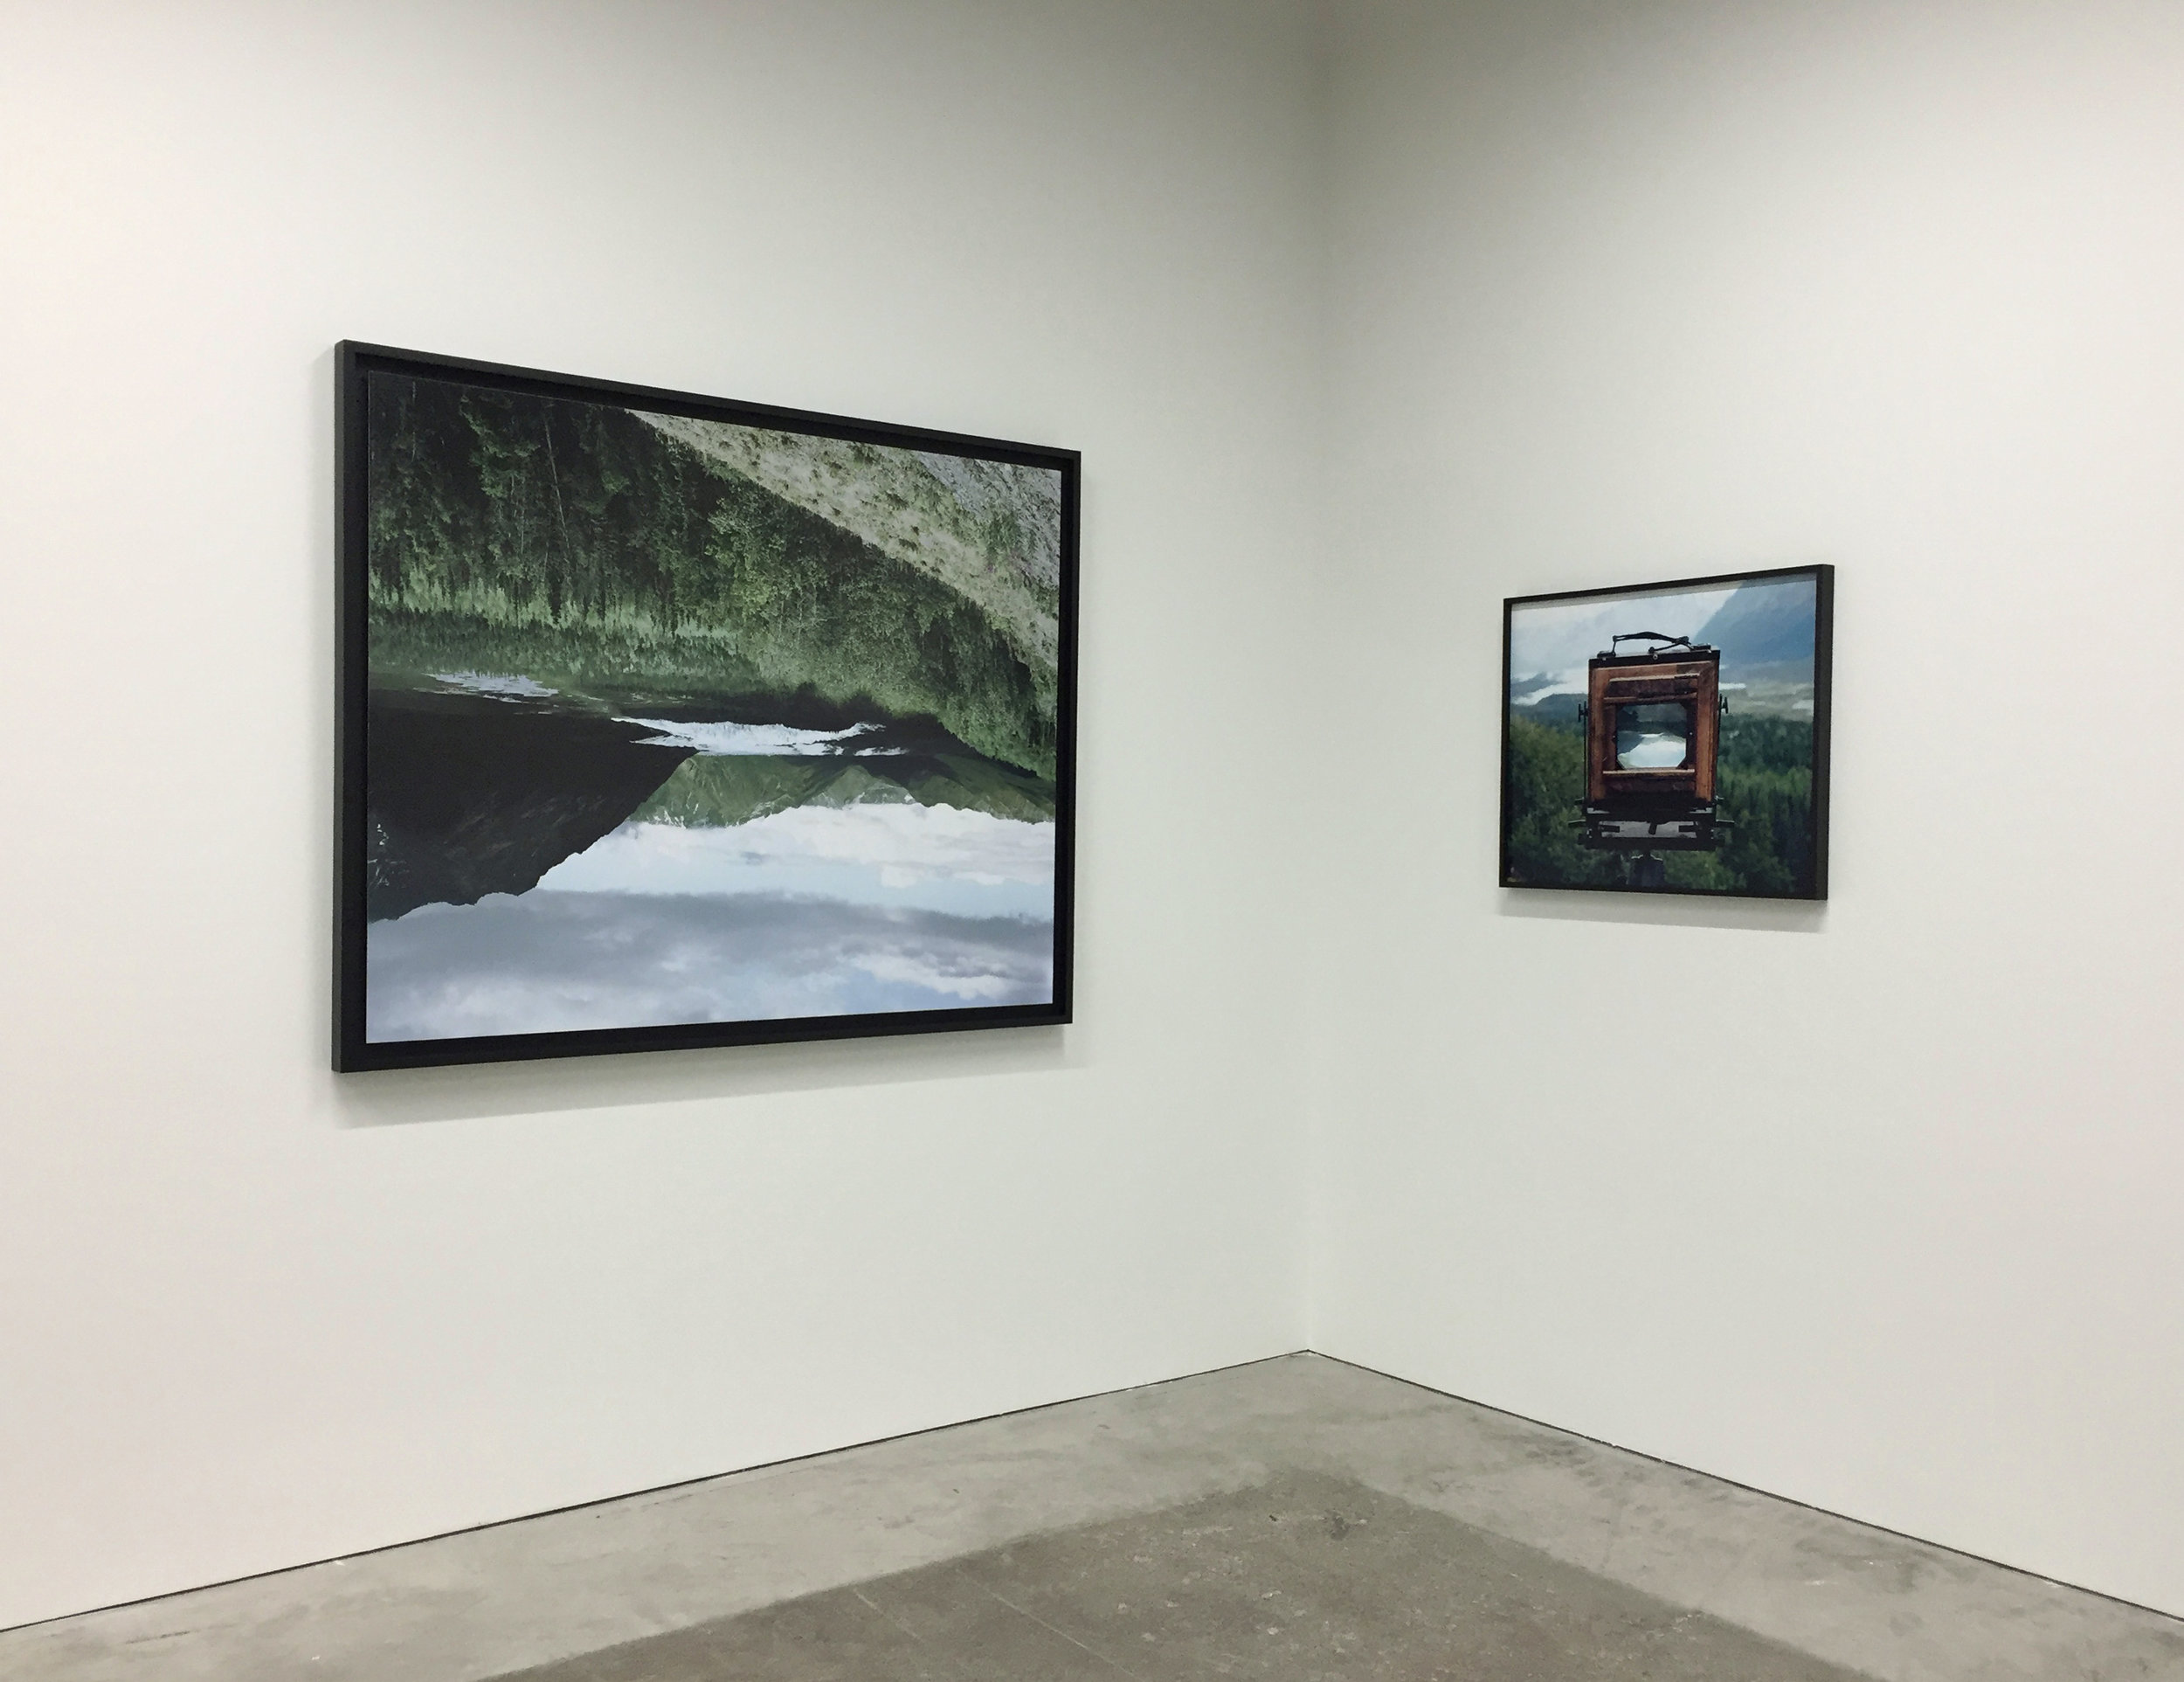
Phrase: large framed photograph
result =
(1669, 738)
(666, 721)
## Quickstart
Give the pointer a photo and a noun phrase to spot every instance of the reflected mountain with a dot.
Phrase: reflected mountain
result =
(470, 795)
(716, 791)
(484, 786)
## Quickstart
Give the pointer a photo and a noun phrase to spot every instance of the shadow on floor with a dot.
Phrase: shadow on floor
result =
(1307, 1578)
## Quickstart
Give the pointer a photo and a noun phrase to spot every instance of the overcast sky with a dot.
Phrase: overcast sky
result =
(1558, 638)
(546, 961)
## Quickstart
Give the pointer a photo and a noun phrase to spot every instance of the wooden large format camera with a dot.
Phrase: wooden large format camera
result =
(1652, 738)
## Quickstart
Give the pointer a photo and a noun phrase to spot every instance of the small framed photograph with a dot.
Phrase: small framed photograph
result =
(1669, 738)
(666, 721)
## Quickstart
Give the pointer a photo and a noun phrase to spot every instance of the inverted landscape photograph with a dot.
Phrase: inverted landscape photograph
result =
(1766, 631)
(677, 721)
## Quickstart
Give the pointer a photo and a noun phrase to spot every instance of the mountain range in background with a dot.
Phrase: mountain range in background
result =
(1764, 624)
(1764, 629)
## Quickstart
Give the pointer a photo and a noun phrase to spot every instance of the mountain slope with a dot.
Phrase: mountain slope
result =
(987, 528)
(1764, 623)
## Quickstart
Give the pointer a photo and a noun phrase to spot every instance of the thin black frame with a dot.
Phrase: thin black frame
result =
(1823, 576)
(352, 1051)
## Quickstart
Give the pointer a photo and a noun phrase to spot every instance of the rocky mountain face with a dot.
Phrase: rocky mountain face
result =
(989, 529)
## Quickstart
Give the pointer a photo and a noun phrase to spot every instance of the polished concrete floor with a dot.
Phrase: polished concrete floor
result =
(1294, 1520)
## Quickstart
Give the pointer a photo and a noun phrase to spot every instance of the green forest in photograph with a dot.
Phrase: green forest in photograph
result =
(1765, 794)
(599, 549)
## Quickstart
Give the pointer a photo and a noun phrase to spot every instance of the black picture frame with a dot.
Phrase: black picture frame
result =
(355, 363)
(1809, 882)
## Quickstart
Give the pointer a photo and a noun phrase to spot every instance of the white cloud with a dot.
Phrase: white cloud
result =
(491, 683)
(546, 962)
(727, 740)
(982, 987)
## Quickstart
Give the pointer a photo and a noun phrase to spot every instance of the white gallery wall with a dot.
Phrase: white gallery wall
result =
(1875, 1206)
(250, 1314)
(1364, 317)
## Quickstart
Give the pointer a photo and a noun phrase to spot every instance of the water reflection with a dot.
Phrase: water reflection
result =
(1653, 736)
(539, 868)
(935, 858)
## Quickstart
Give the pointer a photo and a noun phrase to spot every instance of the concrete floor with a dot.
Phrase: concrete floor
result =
(1305, 1576)
(1298, 1518)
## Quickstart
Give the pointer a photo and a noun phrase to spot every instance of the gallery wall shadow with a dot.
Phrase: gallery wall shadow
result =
(1670, 910)
(394, 1097)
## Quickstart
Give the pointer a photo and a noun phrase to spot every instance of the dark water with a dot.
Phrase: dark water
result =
(471, 796)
